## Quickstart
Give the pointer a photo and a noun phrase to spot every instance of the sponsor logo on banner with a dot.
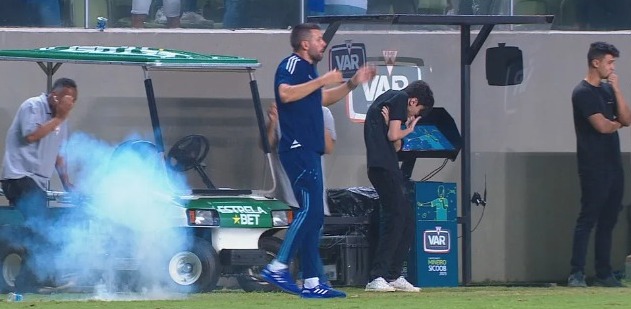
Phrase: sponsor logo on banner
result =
(243, 215)
(437, 240)
(240, 210)
(393, 72)
(347, 57)
(437, 265)
(246, 219)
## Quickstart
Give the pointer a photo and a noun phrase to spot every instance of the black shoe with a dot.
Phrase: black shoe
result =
(609, 282)
(576, 280)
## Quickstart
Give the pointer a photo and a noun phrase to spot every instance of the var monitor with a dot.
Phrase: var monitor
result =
(434, 136)
(426, 137)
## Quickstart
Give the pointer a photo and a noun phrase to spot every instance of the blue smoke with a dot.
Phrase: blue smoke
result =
(122, 229)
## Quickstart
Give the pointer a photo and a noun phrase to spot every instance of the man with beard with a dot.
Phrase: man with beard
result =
(600, 110)
(299, 99)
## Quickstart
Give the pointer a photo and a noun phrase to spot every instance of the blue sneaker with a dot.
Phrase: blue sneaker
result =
(322, 291)
(281, 279)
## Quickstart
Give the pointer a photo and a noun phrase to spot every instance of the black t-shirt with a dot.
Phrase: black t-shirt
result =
(595, 151)
(379, 150)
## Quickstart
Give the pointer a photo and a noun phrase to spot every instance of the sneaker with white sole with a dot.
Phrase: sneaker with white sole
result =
(379, 285)
(322, 291)
(403, 285)
(281, 279)
(192, 18)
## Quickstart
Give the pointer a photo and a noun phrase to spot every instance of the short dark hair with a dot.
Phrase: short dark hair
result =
(420, 89)
(598, 50)
(64, 83)
(301, 32)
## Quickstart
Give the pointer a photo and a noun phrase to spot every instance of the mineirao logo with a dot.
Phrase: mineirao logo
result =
(437, 265)
(437, 240)
(389, 76)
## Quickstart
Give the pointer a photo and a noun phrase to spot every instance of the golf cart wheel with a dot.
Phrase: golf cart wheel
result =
(251, 281)
(195, 269)
(11, 262)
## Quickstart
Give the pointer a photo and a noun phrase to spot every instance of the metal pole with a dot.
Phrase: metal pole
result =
(86, 12)
(302, 11)
(153, 112)
(49, 77)
(260, 120)
(512, 12)
(465, 158)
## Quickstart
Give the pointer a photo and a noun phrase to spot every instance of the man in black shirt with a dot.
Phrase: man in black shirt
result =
(599, 111)
(382, 134)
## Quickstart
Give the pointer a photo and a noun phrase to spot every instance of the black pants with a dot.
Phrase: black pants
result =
(25, 195)
(397, 224)
(601, 202)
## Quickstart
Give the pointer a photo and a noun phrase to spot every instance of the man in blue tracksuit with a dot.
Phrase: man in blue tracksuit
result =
(299, 98)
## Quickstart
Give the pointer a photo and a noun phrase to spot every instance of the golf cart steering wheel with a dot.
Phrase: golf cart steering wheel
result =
(141, 147)
(188, 152)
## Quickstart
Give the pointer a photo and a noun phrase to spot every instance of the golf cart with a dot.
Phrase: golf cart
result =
(221, 232)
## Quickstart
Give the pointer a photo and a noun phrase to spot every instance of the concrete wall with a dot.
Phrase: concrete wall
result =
(522, 136)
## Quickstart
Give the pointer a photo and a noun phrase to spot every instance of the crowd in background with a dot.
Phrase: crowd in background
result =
(281, 14)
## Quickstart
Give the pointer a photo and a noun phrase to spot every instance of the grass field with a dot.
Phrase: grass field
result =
(439, 298)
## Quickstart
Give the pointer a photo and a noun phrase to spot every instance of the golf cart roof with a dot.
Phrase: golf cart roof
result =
(148, 57)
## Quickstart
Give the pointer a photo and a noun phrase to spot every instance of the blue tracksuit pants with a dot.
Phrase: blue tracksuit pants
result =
(304, 170)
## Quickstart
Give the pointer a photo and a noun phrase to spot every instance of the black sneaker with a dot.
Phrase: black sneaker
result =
(609, 282)
(576, 280)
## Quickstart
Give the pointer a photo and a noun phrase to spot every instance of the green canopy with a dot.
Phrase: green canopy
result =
(156, 58)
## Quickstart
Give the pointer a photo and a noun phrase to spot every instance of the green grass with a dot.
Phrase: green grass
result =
(443, 298)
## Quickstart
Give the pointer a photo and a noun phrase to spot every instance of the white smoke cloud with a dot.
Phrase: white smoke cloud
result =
(120, 235)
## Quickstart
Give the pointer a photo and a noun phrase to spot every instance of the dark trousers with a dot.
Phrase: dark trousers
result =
(25, 195)
(397, 224)
(601, 202)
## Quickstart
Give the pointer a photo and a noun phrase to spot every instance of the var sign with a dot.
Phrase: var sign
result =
(436, 241)
(389, 76)
(347, 58)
